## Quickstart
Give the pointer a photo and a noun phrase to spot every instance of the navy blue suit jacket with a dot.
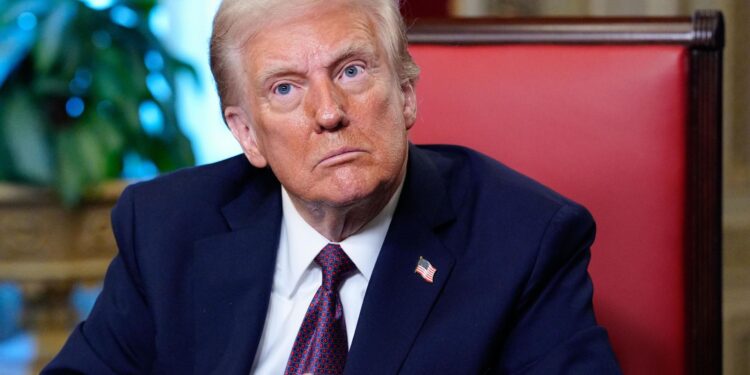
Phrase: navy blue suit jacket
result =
(189, 290)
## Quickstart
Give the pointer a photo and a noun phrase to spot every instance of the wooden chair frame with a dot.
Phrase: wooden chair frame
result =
(703, 35)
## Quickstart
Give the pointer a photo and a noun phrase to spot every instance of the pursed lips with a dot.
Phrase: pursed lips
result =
(339, 155)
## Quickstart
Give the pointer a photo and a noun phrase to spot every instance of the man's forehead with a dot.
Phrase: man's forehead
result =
(327, 16)
(318, 53)
(300, 41)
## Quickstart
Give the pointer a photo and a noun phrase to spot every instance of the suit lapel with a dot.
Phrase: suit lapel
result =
(232, 280)
(398, 300)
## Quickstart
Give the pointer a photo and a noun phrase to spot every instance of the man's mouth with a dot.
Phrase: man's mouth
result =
(340, 155)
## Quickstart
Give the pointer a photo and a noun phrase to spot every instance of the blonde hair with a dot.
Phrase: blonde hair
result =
(238, 20)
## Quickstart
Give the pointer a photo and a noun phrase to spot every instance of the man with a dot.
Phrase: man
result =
(339, 247)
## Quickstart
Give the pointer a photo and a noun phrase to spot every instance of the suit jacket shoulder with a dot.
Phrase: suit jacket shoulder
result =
(516, 296)
(196, 248)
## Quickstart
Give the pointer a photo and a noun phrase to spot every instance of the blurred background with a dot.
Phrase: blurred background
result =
(96, 93)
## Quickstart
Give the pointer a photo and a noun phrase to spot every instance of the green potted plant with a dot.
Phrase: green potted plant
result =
(81, 89)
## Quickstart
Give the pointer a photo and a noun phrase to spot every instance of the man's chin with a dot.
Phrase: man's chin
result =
(347, 191)
(346, 199)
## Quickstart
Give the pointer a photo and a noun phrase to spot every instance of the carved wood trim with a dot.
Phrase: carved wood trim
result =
(703, 226)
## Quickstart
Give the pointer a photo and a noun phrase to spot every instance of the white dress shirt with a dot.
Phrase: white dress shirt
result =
(297, 277)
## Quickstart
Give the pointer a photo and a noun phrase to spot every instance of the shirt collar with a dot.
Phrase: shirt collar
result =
(303, 242)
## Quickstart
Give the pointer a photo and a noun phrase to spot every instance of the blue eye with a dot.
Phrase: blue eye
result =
(351, 71)
(283, 89)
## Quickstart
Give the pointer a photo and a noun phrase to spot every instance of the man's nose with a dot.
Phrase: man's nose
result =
(326, 104)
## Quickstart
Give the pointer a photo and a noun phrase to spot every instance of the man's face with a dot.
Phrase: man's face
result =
(323, 107)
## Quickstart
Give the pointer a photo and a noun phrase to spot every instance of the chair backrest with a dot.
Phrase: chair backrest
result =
(623, 116)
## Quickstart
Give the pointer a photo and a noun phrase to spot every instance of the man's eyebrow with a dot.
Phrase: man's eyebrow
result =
(282, 69)
(361, 50)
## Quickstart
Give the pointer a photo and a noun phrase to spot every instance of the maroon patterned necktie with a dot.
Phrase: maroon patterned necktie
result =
(321, 346)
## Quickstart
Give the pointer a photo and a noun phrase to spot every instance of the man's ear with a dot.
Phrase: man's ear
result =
(410, 104)
(241, 126)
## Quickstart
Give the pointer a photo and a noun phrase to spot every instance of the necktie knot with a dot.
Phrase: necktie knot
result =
(335, 265)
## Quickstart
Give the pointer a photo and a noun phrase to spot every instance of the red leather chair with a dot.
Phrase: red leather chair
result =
(623, 116)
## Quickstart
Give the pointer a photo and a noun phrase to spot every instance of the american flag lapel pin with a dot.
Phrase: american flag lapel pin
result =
(425, 269)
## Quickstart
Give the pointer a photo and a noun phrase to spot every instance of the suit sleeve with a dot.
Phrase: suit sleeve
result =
(117, 337)
(555, 331)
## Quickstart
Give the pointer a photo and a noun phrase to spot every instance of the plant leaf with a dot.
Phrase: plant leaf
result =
(27, 139)
(59, 58)
(82, 162)
(6, 164)
(52, 36)
(15, 47)
(71, 180)
(92, 158)
(10, 12)
(106, 132)
(144, 6)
